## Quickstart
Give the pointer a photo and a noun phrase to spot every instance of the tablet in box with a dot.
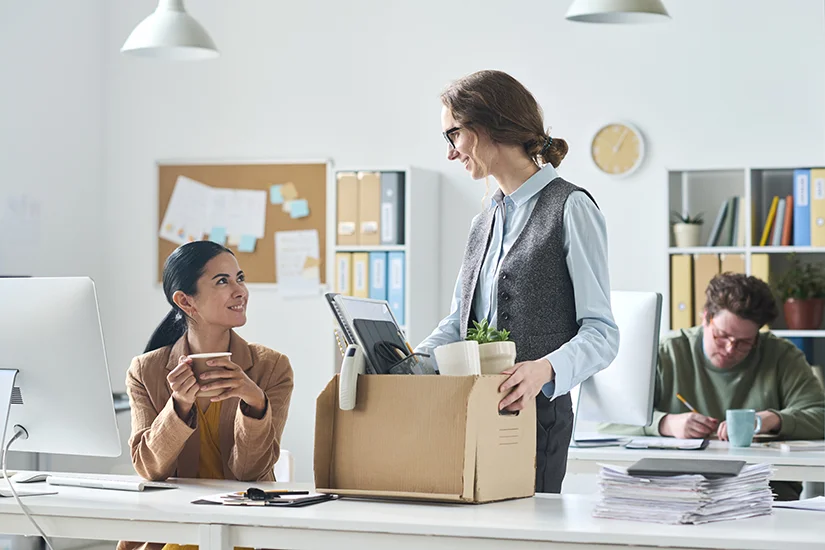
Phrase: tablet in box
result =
(437, 438)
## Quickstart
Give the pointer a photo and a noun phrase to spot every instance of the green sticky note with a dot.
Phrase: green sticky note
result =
(275, 195)
(247, 243)
(299, 208)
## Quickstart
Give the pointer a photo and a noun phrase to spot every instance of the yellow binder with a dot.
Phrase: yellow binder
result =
(681, 291)
(733, 263)
(818, 207)
(705, 268)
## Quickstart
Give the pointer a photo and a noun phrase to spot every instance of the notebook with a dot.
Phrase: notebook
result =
(666, 467)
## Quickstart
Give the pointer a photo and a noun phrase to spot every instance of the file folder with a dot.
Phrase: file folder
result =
(705, 268)
(817, 207)
(369, 208)
(801, 208)
(378, 275)
(360, 275)
(734, 263)
(392, 208)
(681, 291)
(396, 284)
(347, 208)
(343, 273)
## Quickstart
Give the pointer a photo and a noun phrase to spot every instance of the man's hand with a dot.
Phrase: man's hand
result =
(688, 425)
(526, 379)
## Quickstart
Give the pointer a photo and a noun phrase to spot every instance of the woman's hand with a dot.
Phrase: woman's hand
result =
(233, 382)
(184, 387)
(526, 380)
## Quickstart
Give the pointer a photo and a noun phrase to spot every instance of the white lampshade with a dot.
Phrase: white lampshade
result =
(170, 33)
(617, 11)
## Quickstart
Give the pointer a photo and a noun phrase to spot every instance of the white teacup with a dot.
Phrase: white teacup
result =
(458, 358)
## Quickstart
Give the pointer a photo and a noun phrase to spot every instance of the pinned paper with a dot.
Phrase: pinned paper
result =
(247, 243)
(287, 206)
(233, 240)
(218, 235)
(289, 192)
(275, 195)
(299, 208)
(297, 262)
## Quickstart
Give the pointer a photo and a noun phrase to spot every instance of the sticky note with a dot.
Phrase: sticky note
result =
(287, 206)
(289, 191)
(218, 235)
(275, 196)
(299, 209)
(247, 243)
(233, 240)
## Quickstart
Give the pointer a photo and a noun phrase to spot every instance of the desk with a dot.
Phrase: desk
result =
(561, 522)
(790, 466)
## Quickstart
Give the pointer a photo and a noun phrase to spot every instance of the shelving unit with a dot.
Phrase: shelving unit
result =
(695, 191)
(421, 246)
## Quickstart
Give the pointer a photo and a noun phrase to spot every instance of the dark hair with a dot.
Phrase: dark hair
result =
(181, 271)
(500, 105)
(745, 296)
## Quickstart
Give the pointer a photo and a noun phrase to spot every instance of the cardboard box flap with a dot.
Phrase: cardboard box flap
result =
(417, 424)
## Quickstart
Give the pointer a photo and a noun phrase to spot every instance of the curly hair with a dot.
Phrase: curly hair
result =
(745, 296)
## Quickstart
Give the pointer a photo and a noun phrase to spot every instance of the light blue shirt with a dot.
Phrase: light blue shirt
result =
(585, 246)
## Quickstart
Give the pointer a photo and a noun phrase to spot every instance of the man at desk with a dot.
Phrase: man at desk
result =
(727, 363)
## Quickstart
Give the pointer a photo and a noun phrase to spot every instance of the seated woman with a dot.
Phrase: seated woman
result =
(233, 435)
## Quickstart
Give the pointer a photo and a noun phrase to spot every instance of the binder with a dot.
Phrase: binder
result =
(378, 275)
(733, 263)
(705, 268)
(369, 208)
(766, 232)
(817, 199)
(681, 291)
(392, 208)
(347, 208)
(360, 275)
(779, 223)
(801, 207)
(787, 223)
(343, 273)
(761, 267)
(396, 284)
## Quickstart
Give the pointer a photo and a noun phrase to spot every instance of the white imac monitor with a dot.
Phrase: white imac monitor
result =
(623, 392)
(53, 368)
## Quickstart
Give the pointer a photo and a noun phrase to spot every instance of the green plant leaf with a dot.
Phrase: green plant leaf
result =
(800, 282)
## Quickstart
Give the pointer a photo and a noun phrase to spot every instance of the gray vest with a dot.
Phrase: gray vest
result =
(535, 291)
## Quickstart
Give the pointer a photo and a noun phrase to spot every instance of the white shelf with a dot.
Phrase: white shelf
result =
(373, 248)
(707, 250)
(799, 333)
(788, 249)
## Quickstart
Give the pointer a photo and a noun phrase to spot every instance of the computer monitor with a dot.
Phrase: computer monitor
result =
(623, 392)
(53, 368)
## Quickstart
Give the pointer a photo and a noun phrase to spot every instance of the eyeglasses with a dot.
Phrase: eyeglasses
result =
(736, 344)
(448, 135)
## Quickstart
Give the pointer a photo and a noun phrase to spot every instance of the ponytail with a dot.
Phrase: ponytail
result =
(168, 331)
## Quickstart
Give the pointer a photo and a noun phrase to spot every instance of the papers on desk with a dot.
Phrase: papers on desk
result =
(666, 443)
(287, 500)
(817, 504)
(685, 499)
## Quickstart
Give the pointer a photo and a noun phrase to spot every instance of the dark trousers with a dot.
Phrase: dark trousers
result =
(553, 432)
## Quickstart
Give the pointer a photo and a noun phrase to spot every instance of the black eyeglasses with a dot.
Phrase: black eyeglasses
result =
(447, 135)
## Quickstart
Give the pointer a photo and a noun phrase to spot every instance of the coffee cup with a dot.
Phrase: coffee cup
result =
(199, 367)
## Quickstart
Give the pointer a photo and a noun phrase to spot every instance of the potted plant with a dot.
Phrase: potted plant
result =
(687, 230)
(496, 352)
(801, 289)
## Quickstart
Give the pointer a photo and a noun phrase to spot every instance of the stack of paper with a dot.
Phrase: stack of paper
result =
(684, 498)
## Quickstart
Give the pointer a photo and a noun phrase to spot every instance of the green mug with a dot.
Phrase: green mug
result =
(742, 425)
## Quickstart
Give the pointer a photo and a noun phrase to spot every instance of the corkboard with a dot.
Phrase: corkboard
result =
(310, 180)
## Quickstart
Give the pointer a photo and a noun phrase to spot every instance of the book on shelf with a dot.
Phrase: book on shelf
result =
(778, 223)
(801, 207)
(766, 231)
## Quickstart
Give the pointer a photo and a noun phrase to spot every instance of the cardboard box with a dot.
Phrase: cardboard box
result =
(437, 438)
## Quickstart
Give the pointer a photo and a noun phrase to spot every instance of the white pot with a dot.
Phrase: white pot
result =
(687, 234)
(458, 359)
(497, 356)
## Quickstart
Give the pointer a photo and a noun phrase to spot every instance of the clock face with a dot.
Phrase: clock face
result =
(617, 149)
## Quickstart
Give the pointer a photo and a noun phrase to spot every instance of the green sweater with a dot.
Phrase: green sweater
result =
(774, 376)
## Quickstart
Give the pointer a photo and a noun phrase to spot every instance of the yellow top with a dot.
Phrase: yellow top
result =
(210, 465)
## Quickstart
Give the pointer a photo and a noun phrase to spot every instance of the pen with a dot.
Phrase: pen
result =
(688, 405)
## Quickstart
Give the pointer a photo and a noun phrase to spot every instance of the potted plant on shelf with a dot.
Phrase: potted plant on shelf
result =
(496, 352)
(687, 230)
(801, 289)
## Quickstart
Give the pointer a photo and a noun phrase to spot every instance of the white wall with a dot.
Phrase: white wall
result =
(358, 82)
(51, 113)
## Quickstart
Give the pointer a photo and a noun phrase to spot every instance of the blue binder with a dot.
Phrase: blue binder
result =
(396, 284)
(378, 275)
(802, 207)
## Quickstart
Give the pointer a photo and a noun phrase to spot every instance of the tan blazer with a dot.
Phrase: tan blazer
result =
(163, 445)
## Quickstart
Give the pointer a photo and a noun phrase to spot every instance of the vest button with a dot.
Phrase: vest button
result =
(505, 297)
(503, 276)
(505, 316)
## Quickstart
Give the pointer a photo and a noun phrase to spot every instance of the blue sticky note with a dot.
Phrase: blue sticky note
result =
(299, 208)
(275, 196)
(247, 243)
(218, 235)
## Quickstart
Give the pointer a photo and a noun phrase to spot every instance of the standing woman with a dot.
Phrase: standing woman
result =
(234, 435)
(535, 262)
